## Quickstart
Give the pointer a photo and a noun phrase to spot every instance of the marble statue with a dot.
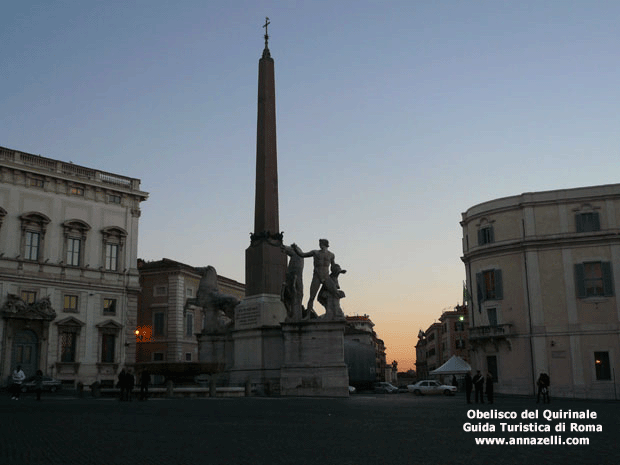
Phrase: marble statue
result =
(293, 287)
(217, 308)
(330, 295)
(322, 279)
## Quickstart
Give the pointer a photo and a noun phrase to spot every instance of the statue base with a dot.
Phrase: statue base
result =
(257, 341)
(215, 349)
(314, 359)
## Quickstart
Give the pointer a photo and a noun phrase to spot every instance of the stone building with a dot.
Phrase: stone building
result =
(454, 334)
(365, 352)
(167, 330)
(543, 270)
(68, 278)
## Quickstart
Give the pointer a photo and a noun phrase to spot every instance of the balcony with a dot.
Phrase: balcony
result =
(481, 335)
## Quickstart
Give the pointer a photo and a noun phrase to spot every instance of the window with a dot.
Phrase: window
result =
(492, 367)
(459, 326)
(108, 342)
(160, 291)
(587, 222)
(189, 292)
(188, 356)
(486, 235)
(33, 227)
(158, 356)
(111, 257)
(109, 306)
(67, 346)
(489, 285)
(492, 315)
(594, 279)
(113, 198)
(36, 182)
(68, 335)
(31, 251)
(73, 251)
(113, 243)
(189, 325)
(29, 296)
(460, 343)
(71, 303)
(159, 324)
(602, 366)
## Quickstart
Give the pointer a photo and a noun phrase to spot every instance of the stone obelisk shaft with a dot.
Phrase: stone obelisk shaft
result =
(265, 262)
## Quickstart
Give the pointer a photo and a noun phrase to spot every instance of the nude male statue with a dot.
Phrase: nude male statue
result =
(323, 259)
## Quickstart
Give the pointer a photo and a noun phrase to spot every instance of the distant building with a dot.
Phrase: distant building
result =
(68, 278)
(365, 352)
(168, 330)
(441, 341)
(454, 334)
(428, 351)
(543, 270)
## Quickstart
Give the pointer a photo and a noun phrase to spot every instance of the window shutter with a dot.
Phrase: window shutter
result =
(596, 221)
(580, 284)
(480, 237)
(499, 288)
(479, 290)
(579, 223)
(491, 234)
(608, 283)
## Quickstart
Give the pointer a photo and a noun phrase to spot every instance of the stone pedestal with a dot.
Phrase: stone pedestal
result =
(314, 359)
(257, 340)
(216, 349)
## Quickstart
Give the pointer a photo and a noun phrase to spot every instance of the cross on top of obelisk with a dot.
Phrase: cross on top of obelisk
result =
(266, 53)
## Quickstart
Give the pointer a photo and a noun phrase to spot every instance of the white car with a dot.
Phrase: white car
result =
(430, 386)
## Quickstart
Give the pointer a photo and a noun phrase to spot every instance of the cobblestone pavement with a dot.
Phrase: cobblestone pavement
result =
(364, 429)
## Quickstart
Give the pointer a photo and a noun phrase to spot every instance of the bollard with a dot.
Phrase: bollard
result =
(80, 389)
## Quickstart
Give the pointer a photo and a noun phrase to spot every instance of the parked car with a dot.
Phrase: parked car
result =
(430, 386)
(49, 384)
(385, 388)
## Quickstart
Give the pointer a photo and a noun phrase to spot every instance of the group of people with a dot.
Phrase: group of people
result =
(480, 385)
(484, 385)
(127, 382)
(17, 378)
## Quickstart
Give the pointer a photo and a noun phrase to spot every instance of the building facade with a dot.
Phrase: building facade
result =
(543, 270)
(68, 277)
(168, 330)
(441, 341)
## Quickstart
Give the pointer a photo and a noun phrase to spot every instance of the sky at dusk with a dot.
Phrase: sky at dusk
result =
(393, 118)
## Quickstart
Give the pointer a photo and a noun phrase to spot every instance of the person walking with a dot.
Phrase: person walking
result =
(145, 380)
(489, 387)
(543, 388)
(468, 386)
(130, 382)
(18, 377)
(479, 386)
(38, 383)
(122, 384)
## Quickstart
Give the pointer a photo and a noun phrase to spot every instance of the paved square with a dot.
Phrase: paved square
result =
(364, 429)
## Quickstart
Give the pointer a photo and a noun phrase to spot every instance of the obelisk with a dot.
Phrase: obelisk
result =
(265, 262)
(257, 337)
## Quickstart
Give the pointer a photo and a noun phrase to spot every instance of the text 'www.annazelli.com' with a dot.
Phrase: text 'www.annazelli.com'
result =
(546, 441)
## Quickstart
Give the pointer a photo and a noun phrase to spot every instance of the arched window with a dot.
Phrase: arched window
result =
(113, 244)
(34, 225)
(75, 232)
